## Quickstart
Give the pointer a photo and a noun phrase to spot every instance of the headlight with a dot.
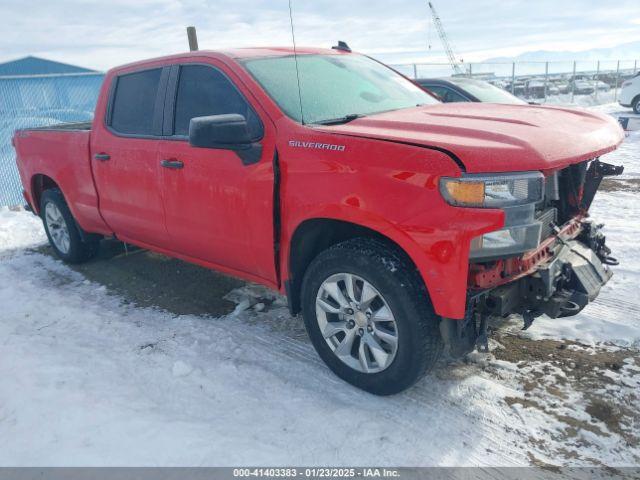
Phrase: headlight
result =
(516, 194)
(495, 191)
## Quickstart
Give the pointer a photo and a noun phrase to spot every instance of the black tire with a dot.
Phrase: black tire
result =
(393, 275)
(80, 250)
(636, 105)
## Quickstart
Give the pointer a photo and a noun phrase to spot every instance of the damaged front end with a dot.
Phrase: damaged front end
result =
(557, 278)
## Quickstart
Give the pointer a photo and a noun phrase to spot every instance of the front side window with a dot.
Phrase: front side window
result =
(334, 86)
(204, 91)
(134, 102)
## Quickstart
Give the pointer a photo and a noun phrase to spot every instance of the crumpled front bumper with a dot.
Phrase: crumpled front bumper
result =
(563, 285)
(571, 280)
(559, 286)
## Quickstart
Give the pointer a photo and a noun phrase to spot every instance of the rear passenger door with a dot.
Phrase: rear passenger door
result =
(219, 206)
(124, 152)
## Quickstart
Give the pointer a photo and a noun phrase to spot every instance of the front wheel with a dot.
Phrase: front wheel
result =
(636, 105)
(369, 316)
(62, 231)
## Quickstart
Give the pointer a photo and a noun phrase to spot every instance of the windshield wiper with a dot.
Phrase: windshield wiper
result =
(340, 120)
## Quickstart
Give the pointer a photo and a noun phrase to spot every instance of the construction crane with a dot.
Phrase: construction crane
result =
(445, 42)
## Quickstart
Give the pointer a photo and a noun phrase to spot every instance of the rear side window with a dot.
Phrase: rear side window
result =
(134, 102)
(204, 91)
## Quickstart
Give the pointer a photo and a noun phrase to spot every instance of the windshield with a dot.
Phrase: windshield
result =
(485, 92)
(334, 86)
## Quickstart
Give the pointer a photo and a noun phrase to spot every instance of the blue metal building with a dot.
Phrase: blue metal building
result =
(38, 92)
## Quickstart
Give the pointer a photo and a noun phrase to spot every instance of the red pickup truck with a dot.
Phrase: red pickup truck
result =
(396, 224)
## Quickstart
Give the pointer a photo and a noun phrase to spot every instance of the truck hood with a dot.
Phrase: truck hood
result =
(495, 138)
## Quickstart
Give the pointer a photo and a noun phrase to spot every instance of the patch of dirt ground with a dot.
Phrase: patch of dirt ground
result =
(591, 392)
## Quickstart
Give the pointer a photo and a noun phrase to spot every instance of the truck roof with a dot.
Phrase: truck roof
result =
(236, 54)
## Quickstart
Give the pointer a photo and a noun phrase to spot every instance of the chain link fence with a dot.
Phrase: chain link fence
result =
(37, 101)
(581, 83)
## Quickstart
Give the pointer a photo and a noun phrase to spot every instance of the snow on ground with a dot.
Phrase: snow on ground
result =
(19, 230)
(89, 378)
(592, 100)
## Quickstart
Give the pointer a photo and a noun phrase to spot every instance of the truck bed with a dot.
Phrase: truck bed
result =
(74, 126)
(60, 154)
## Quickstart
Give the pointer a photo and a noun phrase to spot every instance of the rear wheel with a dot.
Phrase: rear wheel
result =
(62, 230)
(636, 105)
(369, 317)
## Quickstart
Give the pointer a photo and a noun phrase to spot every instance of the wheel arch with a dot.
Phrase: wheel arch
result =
(315, 235)
(39, 183)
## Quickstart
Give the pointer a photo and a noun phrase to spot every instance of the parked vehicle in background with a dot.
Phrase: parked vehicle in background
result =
(460, 89)
(535, 89)
(581, 87)
(630, 93)
(601, 86)
(580, 76)
(502, 84)
(396, 224)
(562, 86)
(518, 89)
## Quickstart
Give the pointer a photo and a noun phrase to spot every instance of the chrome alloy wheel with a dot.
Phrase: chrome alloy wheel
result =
(57, 228)
(357, 323)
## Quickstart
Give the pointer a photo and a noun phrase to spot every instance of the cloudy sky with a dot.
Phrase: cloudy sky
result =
(101, 34)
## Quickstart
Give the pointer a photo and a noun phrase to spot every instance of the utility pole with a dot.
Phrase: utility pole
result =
(546, 80)
(597, 79)
(573, 82)
(615, 95)
(193, 39)
(445, 41)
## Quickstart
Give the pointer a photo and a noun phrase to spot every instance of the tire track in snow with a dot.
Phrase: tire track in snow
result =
(429, 409)
(610, 306)
(422, 398)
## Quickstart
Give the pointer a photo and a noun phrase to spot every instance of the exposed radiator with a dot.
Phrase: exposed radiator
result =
(547, 218)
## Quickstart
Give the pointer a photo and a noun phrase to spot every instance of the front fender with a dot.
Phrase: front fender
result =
(440, 251)
(392, 189)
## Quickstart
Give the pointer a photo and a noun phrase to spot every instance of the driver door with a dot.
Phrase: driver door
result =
(218, 209)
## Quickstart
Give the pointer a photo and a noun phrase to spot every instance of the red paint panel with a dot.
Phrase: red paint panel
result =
(497, 138)
(63, 157)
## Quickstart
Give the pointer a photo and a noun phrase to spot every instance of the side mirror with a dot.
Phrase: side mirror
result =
(224, 132)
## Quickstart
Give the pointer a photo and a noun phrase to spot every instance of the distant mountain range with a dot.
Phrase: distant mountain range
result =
(626, 51)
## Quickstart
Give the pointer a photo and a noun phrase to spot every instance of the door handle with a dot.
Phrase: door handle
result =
(172, 163)
(103, 157)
